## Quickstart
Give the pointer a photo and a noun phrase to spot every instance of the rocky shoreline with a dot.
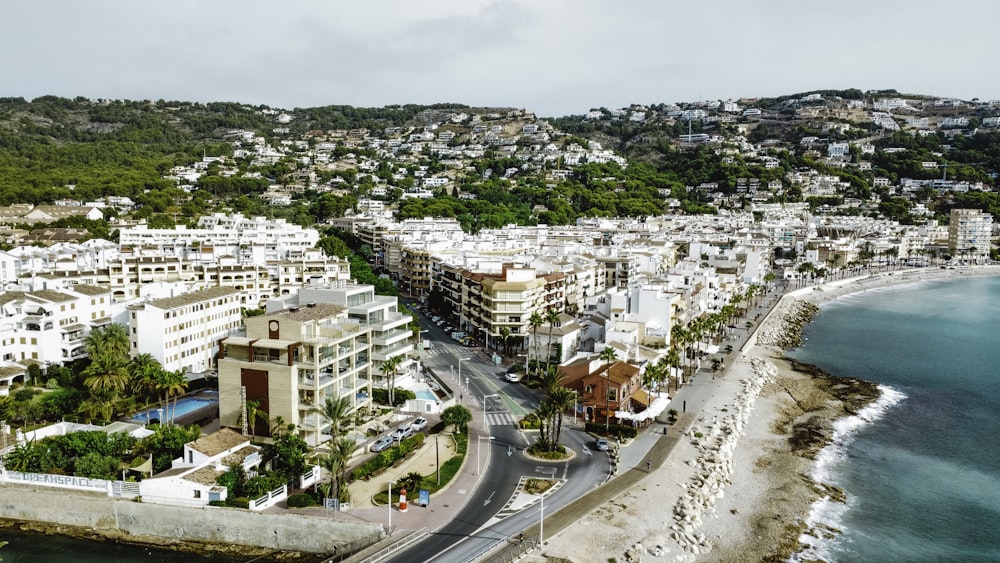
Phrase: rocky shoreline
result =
(807, 402)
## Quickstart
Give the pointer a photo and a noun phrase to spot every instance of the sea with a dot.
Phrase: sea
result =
(27, 547)
(921, 467)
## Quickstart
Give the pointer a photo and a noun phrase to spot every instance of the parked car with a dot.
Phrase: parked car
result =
(512, 377)
(602, 444)
(418, 424)
(402, 433)
(383, 443)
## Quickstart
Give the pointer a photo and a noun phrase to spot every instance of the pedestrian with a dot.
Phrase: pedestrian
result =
(649, 466)
(461, 397)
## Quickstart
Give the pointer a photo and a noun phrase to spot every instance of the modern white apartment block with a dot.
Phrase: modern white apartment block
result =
(969, 233)
(251, 241)
(183, 332)
(288, 364)
(379, 314)
(47, 327)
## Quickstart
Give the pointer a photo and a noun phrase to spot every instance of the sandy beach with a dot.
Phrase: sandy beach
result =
(738, 487)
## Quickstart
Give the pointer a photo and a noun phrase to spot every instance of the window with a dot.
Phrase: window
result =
(613, 395)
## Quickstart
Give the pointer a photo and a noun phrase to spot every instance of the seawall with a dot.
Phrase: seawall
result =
(172, 527)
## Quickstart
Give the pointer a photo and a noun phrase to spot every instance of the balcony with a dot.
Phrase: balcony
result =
(383, 353)
(389, 337)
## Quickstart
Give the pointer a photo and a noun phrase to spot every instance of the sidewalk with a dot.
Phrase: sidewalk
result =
(444, 504)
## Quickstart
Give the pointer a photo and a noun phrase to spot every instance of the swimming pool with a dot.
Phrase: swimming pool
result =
(425, 395)
(184, 407)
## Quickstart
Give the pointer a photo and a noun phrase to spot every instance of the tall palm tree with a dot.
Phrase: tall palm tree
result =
(609, 355)
(390, 369)
(551, 317)
(672, 361)
(562, 399)
(551, 380)
(144, 370)
(504, 340)
(535, 320)
(174, 384)
(335, 464)
(335, 410)
(545, 413)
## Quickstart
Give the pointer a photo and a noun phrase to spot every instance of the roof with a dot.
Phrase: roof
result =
(218, 442)
(87, 289)
(193, 297)
(310, 312)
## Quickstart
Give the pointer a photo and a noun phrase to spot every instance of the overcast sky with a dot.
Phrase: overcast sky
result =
(553, 57)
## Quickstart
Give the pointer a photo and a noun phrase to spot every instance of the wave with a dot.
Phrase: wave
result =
(827, 513)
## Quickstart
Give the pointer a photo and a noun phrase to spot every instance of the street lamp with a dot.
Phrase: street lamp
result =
(419, 350)
(460, 360)
(541, 524)
(479, 448)
(389, 490)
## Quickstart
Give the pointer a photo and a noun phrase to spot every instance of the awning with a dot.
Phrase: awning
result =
(654, 410)
(641, 397)
(273, 344)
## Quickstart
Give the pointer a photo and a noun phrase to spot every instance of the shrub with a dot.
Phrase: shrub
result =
(400, 396)
(24, 394)
(301, 500)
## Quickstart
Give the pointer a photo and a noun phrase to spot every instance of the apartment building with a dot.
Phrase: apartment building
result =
(390, 335)
(251, 241)
(183, 332)
(493, 302)
(969, 233)
(289, 362)
(48, 326)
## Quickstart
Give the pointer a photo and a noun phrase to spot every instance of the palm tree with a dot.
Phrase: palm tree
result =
(545, 413)
(174, 384)
(335, 411)
(504, 339)
(551, 380)
(144, 370)
(551, 317)
(561, 399)
(390, 368)
(535, 320)
(608, 355)
(254, 412)
(335, 464)
(107, 375)
(671, 362)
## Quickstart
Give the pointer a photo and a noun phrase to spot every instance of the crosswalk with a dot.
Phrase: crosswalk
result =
(500, 418)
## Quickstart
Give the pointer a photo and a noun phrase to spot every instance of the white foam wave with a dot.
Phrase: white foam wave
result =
(825, 512)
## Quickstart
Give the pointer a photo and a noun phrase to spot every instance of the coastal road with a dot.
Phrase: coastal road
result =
(483, 522)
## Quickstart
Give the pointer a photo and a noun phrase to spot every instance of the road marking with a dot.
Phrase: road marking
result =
(489, 500)
(587, 451)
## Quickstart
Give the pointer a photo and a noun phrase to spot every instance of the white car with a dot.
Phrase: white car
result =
(402, 433)
(512, 377)
(418, 424)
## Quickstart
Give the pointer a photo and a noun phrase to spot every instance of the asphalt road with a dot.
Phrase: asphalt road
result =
(503, 462)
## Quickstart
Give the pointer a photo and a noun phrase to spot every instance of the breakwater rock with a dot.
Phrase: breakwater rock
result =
(783, 327)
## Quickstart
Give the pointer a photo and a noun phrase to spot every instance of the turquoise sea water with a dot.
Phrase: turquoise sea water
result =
(921, 468)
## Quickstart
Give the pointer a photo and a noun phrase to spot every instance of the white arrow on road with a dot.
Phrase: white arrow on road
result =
(586, 450)
(489, 500)
(510, 451)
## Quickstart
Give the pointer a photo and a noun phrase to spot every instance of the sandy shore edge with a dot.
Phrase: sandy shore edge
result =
(752, 502)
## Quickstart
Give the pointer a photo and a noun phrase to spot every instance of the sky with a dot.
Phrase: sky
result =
(552, 57)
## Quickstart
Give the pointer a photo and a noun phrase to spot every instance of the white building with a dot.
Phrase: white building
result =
(183, 332)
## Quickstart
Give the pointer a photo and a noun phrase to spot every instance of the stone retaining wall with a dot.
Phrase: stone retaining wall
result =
(168, 525)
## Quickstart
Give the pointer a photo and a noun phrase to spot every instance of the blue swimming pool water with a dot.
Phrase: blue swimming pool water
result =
(426, 395)
(185, 405)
